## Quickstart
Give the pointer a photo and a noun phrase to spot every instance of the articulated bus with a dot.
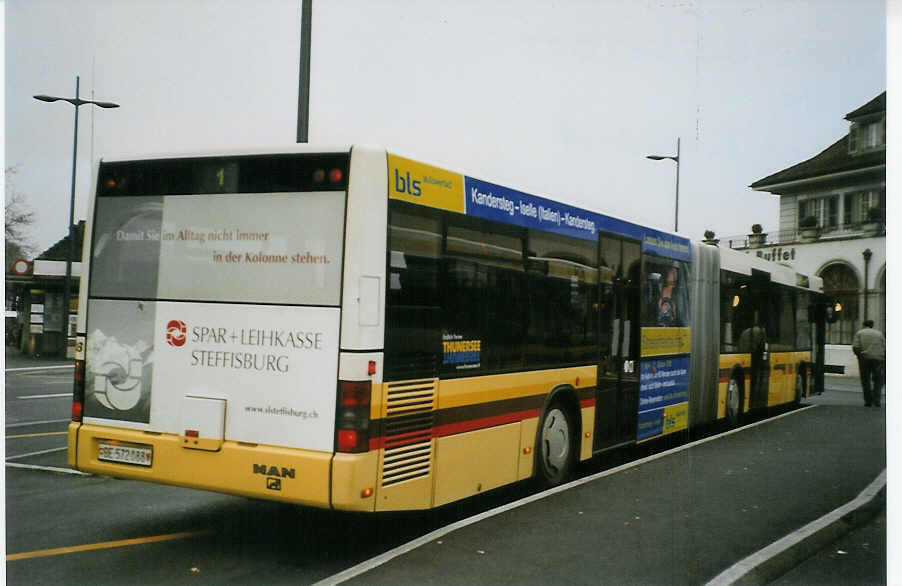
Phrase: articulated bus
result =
(352, 329)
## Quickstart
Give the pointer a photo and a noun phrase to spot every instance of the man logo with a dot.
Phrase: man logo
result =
(175, 333)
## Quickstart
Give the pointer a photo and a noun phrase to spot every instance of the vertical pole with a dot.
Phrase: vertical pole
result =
(71, 252)
(867, 261)
(304, 81)
(676, 211)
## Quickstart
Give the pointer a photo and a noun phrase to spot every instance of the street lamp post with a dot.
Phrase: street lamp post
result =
(676, 158)
(76, 101)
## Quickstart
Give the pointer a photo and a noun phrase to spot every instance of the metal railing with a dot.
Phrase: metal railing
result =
(800, 235)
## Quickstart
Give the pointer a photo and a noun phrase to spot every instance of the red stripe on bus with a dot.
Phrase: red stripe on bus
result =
(483, 423)
(413, 437)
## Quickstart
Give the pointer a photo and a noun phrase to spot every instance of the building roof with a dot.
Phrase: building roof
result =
(834, 159)
(875, 106)
(60, 250)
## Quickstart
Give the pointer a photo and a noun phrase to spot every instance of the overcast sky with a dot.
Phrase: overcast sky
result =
(561, 99)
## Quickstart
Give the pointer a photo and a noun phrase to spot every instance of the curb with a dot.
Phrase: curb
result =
(776, 559)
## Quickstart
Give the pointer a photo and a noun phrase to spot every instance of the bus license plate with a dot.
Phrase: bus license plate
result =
(125, 454)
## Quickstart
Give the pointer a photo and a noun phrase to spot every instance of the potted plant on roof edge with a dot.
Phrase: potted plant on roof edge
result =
(808, 228)
(710, 239)
(758, 236)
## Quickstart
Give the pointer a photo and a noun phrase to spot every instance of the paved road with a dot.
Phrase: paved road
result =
(679, 519)
(223, 539)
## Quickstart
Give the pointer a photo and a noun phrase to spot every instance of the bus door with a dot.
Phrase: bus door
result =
(617, 395)
(758, 342)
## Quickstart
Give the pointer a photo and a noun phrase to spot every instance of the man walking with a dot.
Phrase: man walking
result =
(869, 346)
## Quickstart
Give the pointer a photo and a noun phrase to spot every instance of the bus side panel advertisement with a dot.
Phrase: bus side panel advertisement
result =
(273, 248)
(119, 360)
(430, 186)
(125, 256)
(665, 341)
(424, 184)
(502, 204)
(658, 422)
(663, 396)
(260, 248)
(494, 202)
(275, 366)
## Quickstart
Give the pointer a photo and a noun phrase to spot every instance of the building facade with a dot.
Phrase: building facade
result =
(832, 224)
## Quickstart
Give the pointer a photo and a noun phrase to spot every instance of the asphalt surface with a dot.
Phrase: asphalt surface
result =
(687, 516)
(677, 518)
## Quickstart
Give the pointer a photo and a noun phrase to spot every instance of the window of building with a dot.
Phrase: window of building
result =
(857, 205)
(824, 209)
(866, 136)
(868, 200)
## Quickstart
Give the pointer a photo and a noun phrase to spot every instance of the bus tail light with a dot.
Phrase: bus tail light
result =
(352, 423)
(78, 390)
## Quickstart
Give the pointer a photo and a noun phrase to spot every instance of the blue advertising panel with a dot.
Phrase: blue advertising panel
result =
(663, 396)
(501, 204)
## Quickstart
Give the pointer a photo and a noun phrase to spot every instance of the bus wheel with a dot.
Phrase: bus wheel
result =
(734, 401)
(555, 453)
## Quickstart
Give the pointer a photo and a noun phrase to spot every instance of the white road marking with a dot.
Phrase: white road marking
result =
(54, 396)
(32, 368)
(379, 560)
(27, 423)
(46, 468)
(37, 453)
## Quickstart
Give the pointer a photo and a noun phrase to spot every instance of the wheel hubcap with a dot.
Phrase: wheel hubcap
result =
(555, 440)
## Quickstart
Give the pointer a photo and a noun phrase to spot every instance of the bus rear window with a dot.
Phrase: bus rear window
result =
(281, 247)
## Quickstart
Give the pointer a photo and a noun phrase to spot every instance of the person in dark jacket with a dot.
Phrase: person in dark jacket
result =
(869, 346)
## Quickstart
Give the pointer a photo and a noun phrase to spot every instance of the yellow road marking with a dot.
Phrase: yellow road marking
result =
(36, 434)
(104, 545)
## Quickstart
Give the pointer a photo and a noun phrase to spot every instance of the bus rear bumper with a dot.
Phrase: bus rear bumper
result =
(251, 470)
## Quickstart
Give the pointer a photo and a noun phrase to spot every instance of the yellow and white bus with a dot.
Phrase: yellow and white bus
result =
(352, 329)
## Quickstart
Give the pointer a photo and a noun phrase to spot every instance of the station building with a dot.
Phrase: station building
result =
(36, 324)
(832, 224)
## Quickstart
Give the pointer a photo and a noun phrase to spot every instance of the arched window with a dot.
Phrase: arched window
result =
(841, 284)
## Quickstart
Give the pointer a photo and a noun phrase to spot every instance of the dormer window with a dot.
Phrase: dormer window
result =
(867, 135)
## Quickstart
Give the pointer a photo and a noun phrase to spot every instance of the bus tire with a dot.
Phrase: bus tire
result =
(734, 399)
(555, 446)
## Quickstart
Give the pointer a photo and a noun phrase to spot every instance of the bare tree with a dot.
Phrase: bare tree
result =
(18, 219)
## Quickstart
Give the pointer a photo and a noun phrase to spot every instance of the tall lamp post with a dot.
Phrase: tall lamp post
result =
(676, 158)
(76, 101)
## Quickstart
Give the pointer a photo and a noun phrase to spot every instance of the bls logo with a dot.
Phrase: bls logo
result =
(407, 185)
(175, 333)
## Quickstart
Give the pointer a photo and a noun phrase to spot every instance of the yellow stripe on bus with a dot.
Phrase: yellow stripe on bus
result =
(36, 434)
(103, 545)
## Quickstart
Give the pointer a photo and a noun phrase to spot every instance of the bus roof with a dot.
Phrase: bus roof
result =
(228, 152)
(743, 262)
